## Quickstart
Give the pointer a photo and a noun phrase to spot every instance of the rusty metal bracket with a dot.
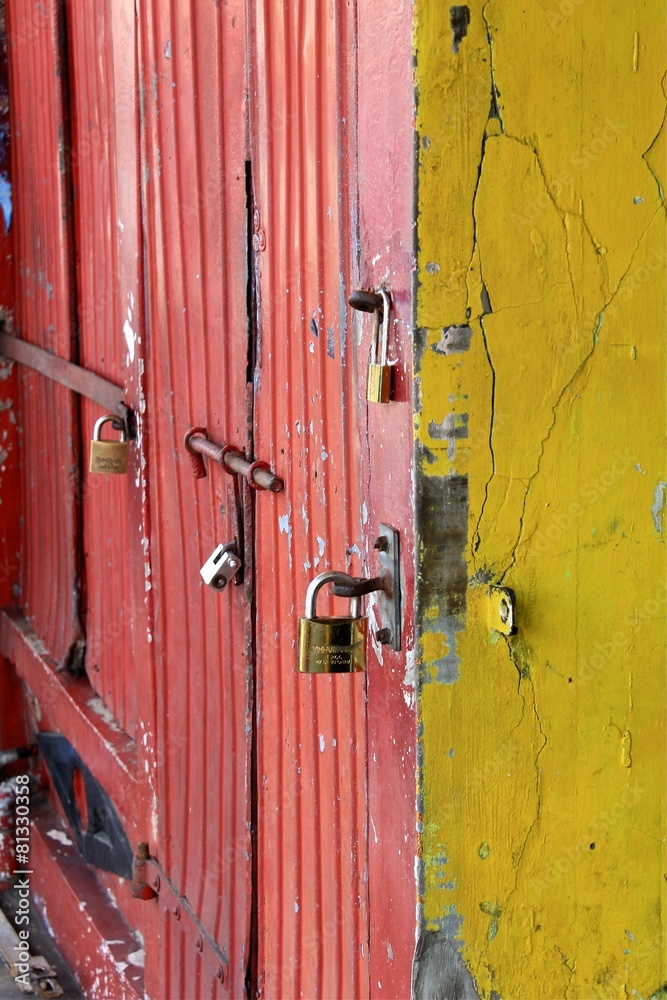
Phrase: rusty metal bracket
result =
(387, 584)
(43, 978)
(180, 909)
(358, 587)
(106, 394)
(258, 474)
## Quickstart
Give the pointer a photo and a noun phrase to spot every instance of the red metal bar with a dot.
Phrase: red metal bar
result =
(258, 474)
(86, 383)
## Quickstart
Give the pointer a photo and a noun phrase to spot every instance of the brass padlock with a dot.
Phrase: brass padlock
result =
(332, 645)
(378, 388)
(109, 456)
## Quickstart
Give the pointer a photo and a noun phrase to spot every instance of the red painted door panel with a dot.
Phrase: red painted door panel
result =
(312, 852)
(194, 191)
(44, 290)
(104, 162)
(332, 165)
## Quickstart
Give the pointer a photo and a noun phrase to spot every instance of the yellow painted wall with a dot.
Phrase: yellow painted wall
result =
(540, 435)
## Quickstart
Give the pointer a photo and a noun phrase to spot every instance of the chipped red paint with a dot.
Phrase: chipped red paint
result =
(385, 170)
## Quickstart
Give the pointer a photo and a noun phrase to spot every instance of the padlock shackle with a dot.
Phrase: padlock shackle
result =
(330, 576)
(115, 421)
(381, 318)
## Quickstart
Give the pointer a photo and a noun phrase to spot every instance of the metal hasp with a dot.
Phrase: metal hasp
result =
(258, 474)
(221, 567)
(387, 584)
(100, 390)
(502, 604)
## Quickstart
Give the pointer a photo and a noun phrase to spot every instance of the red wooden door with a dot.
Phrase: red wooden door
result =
(205, 221)
(331, 132)
(132, 257)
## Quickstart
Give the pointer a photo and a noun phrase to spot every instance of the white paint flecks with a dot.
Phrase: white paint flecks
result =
(658, 507)
(130, 338)
(97, 706)
(60, 836)
(322, 743)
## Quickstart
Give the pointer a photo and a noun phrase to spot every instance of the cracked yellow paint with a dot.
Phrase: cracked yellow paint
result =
(540, 433)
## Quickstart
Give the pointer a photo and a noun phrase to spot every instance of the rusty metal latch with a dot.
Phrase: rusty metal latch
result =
(387, 584)
(258, 474)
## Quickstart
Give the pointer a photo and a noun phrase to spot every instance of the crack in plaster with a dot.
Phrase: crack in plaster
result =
(486, 303)
(645, 154)
(476, 540)
(524, 674)
(582, 364)
(495, 106)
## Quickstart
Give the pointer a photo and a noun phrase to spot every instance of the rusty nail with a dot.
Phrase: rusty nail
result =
(381, 544)
(383, 635)
(199, 944)
(142, 851)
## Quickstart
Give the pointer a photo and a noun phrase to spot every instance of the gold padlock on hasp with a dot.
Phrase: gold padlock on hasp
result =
(109, 456)
(332, 645)
(378, 388)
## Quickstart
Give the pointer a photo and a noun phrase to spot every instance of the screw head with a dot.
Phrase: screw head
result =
(176, 910)
(220, 973)
(155, 882)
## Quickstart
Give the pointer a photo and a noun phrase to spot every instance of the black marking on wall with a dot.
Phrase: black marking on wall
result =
(453, 427)
(442, 522)
(459, 19)
(439, 972)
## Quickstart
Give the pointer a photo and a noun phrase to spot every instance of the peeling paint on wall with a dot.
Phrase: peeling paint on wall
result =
(539, 423)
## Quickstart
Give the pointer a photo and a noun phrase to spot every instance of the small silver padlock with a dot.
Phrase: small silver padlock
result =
(221, 567)
(109, 456)
(378, 389)
(332, 645)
